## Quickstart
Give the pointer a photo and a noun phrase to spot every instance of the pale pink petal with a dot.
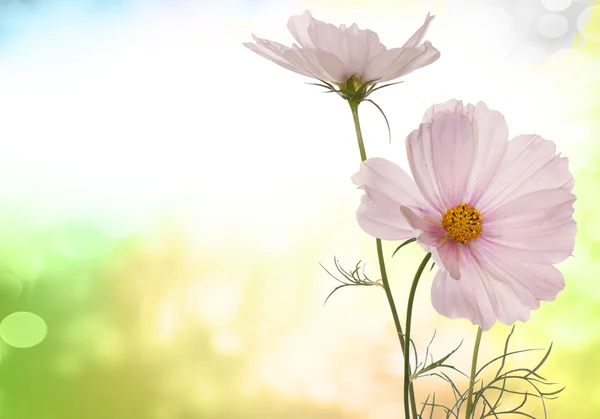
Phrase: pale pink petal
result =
(449, 107)
(491, 138)
(491, 135)
(464, 298)
(411, 61)
(542, 210)
(485, 293)
(433, 238)
(440, 155)
(380, 217)
(397, 62)
(448, 253)
(509, 299)
(365, 39)
(332, 65)
(298, 26)
(362, 45)
(535, 228)
(514, 288)
(531, 246)
(388, 62)
(273, 51)
(352, 46)
(386, 187)
(532, 282)
(530, 164)
(321, 65)
(415, 40)
(426, 228)
(420, 158)
(331, 39)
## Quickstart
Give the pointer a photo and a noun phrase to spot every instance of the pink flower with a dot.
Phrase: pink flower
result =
(335, 54)
(495, 214)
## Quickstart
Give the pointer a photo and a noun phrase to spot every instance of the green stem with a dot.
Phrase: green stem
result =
(384, 278)
(390, 297)
(473, 371)
(408, 387)
(361, 144)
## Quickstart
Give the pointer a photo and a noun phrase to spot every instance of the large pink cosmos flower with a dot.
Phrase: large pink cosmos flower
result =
(495, 214)
(335, 54)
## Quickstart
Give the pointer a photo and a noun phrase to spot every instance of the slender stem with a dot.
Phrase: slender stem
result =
(361, 144)
(473, 370)
(384, 279)
(390, 298)
(411, 300)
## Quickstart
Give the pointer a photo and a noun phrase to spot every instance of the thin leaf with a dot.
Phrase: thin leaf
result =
(424, 404)
(504, 356)
(486, 401)
(439, 362)
(505, 351)
(432, 408)
(384, 117)
(322, 85)
(334, 290)
(327, 83)
(538, 366)
(409, 241)
(429, 345)
(384, 85)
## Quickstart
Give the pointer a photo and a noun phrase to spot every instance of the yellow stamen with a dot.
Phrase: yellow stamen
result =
(462, 223)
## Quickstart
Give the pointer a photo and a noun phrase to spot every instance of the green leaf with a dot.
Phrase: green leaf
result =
(538, 366)
(350, 278)
(504, 356)
(439, 362)
(384, 117)
(384, 85)
(409, 241)
(505, 350)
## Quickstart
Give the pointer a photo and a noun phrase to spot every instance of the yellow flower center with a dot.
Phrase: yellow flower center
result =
(462, 223)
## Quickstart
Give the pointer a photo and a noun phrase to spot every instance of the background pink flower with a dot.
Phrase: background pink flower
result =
(335, 54)
(496, 214)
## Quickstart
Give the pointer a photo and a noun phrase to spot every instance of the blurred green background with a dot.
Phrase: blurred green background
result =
(166, 197)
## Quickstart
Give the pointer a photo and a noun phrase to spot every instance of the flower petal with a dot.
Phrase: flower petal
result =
(486, 291)
(387, 187)
(320, 64)
(388, 62)
(534, 282)
(432, 238)
(298, 26)
(408, 63)
(273, 51)
(449, 107)
(440, 155)
(535, 228)
(514, 288)
(535, 212)
(465, 298)
(352, 46)
(491, 138)
(530, 164)
(415, 40)
(547, 247)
